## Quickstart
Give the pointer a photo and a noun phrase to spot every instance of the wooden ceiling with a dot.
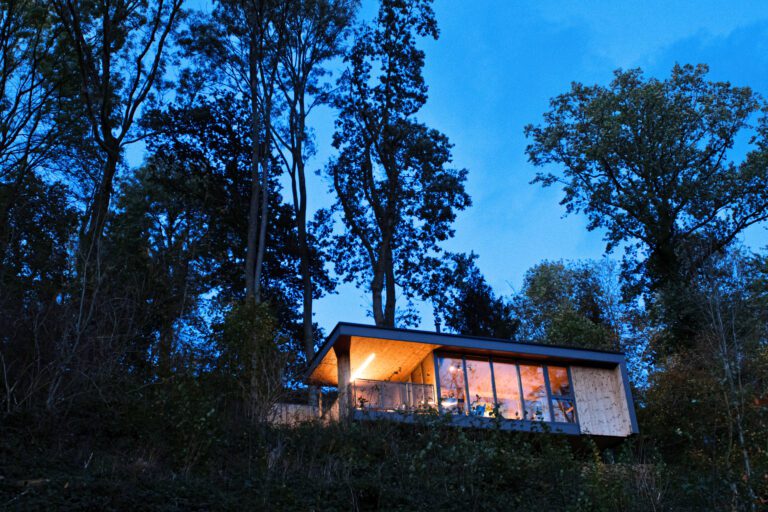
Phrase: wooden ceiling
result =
(392, 361)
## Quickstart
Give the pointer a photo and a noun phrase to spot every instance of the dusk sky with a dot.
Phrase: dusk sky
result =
(494, 69)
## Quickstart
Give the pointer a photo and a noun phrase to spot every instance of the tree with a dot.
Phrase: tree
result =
(467, 304)
(397, 196)
(200, 156)
(570, 304)
(34, 277)
(119, 50)
(648, 161)
(316, 31)
(706, 408)
(237, 49)
(27, 85)
(157, 245)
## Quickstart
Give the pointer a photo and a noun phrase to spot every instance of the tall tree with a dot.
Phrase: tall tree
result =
(27, 83)
(237, 48)
(201, 153)
(397, 195)
(648, 161)
(315, 33)
(120, 51)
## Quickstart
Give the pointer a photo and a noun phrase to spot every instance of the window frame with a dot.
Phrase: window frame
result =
(524, 424)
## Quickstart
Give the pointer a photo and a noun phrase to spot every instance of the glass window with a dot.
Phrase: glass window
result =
(563, 410)
(480, 387)
(558, 381)
(535, 400)
(508, 390)
(451, 372)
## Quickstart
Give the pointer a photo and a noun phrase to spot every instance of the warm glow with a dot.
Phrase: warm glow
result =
(362, 367)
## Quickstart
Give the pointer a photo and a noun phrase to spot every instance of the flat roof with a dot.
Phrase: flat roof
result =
(463, 342)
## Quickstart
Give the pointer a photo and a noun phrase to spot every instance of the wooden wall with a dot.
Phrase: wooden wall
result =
(601, 402)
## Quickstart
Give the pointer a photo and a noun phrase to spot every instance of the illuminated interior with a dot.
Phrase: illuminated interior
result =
(391, 375)
(533, 392)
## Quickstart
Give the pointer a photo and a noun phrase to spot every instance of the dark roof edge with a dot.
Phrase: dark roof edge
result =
(414, 335)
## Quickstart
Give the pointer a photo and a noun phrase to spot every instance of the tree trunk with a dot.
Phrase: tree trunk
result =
(377, 288)
(97, 218)
(389, 307)
(300, 205)
(253, 207)
(262, 243)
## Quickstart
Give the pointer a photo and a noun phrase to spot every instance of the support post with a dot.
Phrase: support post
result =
(344, 369)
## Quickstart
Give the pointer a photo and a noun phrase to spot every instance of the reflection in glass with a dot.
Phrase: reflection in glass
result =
(563, 410)
(451, 372)
(558, 381)
(508, 390)
(534, 393)
(480, 388)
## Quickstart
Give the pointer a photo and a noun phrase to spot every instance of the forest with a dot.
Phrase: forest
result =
(152, 315)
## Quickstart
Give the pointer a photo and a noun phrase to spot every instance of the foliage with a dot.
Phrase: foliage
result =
(648, 161)
(467, 303)
(139, 368)
(397, 195)
(251, 358)
(571, 304)
(367, 466)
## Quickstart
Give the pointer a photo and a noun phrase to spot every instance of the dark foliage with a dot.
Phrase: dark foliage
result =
(139, 367)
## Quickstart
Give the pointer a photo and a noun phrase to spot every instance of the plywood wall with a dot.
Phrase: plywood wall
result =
(601, 402)
(428, 367)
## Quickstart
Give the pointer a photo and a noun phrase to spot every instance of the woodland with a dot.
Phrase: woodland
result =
(152, 315)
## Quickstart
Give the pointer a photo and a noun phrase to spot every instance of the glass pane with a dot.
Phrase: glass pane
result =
(534, 393)
(508, 390)
(480, 388)
(564, 411)
(558, 381)
(451, 373)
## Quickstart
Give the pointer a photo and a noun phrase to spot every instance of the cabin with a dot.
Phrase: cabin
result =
(402, 374)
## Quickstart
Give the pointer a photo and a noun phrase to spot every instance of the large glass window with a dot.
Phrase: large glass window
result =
(520, 391)
(535, 401)
(480, 387)
(452, 390)
(508, 390)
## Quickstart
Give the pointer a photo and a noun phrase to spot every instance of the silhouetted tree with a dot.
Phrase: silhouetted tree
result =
(648, 161)
(397, 195)
(466, 303)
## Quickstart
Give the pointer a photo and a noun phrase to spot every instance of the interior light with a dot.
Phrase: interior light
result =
(362, 367)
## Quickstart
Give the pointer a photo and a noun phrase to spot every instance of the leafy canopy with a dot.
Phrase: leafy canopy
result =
(648, 160)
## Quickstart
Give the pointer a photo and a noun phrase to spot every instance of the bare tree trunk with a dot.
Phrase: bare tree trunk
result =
(389, 307)
(301, 225)
(253, 210)
(262, 244)
(93, 229)
(377, 288)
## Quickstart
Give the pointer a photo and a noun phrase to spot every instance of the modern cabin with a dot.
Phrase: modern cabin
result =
(399, 374)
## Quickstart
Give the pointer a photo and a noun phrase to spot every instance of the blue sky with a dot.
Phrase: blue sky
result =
(494, 69)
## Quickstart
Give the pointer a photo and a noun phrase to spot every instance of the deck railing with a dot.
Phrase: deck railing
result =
(377, 395)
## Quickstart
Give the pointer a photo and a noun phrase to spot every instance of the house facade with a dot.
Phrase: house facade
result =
(399, 374)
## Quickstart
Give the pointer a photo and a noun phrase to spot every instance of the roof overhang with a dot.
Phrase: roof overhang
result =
(398, 350)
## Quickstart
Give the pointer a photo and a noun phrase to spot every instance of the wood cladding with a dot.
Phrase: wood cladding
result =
(393, 360)
(601, 401)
